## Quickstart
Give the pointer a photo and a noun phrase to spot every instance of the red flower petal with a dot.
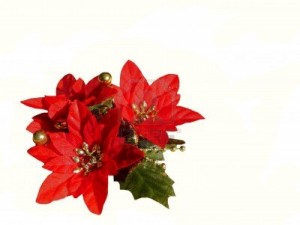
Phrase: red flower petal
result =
(104, 92)
(53, 188)
(167, 100)
(61, 164)
(185, 115)
(165, 84)
(92, 131)
(78, 114)
(41, 121)
(49, 100)
(78, 90)
(63, 146)
(42, 153)
(74, 185)
(111, 123)
(91, 86)
(64, 86)
(58, 109)
(128, 114)
(34, 103)
(33, 127)
(109, 167)
(99, 90)
(157, 136)
(95, 192)
(132, 82)
(128, 156)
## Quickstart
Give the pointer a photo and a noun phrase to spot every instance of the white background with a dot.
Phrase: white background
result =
(238, 63)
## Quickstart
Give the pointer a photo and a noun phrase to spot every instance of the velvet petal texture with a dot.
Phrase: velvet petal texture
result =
(57, 106)
(59, 154)
(136, 98)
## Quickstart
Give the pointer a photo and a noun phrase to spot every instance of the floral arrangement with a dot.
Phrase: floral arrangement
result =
(91, 131)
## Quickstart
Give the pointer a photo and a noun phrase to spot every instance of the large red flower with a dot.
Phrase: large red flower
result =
(82, 159)
(152, 109)
(68, 89)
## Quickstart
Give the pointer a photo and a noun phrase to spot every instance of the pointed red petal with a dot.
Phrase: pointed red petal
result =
(92, 131)
(166, 100)
(78, 89)
(74, 185)
(103, 92)
(58, 109)
(185, 115)
(49, 100)
(99, 90)
(42, 153)
(125, 107)
(109, 167)
(128, 156)
(165, 84)
(112, 122)
(33, 127)
(64, 86)
(61, 164)
(132, 82)
(78, 114)
(95, 192)
(53, 188)
(91, 86)
(110, 132)
(41, 121)
(62, 145)
(153, 134)
(34, 103)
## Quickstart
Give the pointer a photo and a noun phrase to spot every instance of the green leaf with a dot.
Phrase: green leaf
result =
(152, 151)
(173, 141)
(102, 108)
(149, 180)
(155, 155)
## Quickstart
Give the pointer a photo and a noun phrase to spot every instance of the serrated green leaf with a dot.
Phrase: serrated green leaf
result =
(149, 180)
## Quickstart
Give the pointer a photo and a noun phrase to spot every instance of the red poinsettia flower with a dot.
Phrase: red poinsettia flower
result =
(152, 109)
(68, 89)
(82, 159)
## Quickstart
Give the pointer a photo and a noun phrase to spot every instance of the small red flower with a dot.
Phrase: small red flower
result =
(82, 159)
(68, 90)
(152, 109)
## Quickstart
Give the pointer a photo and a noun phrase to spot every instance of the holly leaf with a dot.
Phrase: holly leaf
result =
(149, 180)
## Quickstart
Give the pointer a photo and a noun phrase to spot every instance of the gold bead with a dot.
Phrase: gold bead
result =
(173, 148)
(182, 148)
(105, 77)
(40, 137)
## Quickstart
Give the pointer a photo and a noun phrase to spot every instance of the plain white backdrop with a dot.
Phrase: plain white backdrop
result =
(238, 63)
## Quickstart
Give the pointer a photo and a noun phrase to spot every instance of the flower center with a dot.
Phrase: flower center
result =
(61, 125)
(86, 159)
(143, 112)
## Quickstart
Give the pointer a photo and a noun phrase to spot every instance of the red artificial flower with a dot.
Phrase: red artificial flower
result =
(82, 159)
(152, 109)
(68, 89)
